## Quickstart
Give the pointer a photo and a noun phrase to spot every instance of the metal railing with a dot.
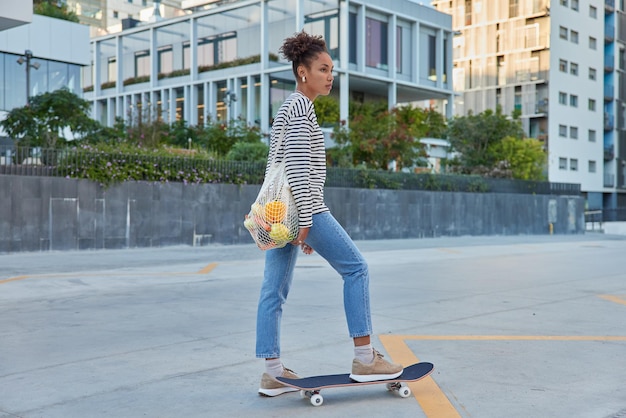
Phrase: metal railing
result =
(76, 163)
(605, 215)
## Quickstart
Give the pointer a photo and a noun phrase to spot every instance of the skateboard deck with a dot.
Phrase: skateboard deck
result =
(311, 386)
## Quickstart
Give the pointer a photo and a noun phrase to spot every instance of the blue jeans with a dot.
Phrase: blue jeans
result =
(331, 241)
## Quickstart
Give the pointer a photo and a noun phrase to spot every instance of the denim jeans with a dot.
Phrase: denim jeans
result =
(331, 241)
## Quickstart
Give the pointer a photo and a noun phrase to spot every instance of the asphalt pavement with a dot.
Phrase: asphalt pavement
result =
(523, 326)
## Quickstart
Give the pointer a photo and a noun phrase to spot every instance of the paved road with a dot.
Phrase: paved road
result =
(529, 326)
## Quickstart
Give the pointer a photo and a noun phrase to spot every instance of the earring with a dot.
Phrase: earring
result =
(303, 79)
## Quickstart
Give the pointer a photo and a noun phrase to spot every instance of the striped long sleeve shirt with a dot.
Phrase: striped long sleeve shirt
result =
(305, 154)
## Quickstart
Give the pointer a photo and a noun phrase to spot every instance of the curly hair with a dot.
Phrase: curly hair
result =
(302, 49)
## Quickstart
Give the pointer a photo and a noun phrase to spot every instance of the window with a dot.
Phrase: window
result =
(573, 132)
(562, 98)
(115, 14)
(562, 131)
(575, 5)
(111, 69)
(592, 166)
(573, 164)
(593, 43)
(399, 49)
(215, 49)
(166, 60)
(327, 25)
(593, 12)
(142, 63)
(563, 66)
(513, 8)
(563, 32)
(573, 36)
(564, 3)
(573, 68)
(592, 105)
(562, 163)
(592, 73)
(592, 135)
(573, 100)
(352, 36)
(130, 1)
(432, 58)
(376, 40)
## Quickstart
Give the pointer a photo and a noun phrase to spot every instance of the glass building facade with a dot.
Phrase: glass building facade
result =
(223, 63)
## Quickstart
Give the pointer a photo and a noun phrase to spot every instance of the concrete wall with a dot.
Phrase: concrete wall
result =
(46, 213)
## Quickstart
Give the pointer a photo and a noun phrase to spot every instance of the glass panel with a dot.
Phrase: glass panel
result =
(172, 42)
(376, 40)
(57, 75)
(282, 21)
(16, 87)
(279, 91)
(352, 39)
(228, 36)
(325, 23)
(200, 95)
(166, 60)
(106, 61)
(399, 49)
(135, 55)
(221, 111)
(180, 103)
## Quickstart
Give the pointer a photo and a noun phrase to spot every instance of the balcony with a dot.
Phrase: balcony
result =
(609, 121)
(541, 108)
(609, 92)
(609, 5)
(609, 33)
(609, 63)
(609, 180)
(609, 152)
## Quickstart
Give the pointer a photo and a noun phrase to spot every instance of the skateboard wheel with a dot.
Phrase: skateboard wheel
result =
(389, 386)
(317, 400)
(303, 394)
(404, 392)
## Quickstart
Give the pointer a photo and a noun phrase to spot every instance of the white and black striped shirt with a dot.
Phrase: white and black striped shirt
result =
(305, 154)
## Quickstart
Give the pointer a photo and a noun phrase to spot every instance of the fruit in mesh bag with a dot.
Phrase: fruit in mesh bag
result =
(249, 223)
(275, 211)
(280, 234)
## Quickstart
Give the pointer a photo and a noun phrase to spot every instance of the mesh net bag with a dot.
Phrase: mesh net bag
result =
(273, 217)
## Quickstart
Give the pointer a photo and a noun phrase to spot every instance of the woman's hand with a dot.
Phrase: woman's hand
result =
(300, 241)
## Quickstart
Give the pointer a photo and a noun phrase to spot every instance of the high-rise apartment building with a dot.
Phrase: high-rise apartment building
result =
(560, 63)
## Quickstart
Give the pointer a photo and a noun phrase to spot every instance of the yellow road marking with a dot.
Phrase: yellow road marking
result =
(613, 298)
(208, 268)
(428, 394)
(431, 398)
(13, 279)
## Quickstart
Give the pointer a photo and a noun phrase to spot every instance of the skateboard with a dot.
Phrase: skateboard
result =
(310, 387)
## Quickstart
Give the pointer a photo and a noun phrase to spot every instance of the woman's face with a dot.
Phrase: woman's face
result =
(319, 77)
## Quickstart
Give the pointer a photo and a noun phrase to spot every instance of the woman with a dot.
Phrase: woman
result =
(304, 152)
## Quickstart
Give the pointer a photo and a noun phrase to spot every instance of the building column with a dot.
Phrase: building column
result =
(344, 62)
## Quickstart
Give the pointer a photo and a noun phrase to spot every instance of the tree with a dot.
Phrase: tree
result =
(54, 9)
(377, 136)
(525, 157)
(48, 118)
(327, 111)
(474, 139)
